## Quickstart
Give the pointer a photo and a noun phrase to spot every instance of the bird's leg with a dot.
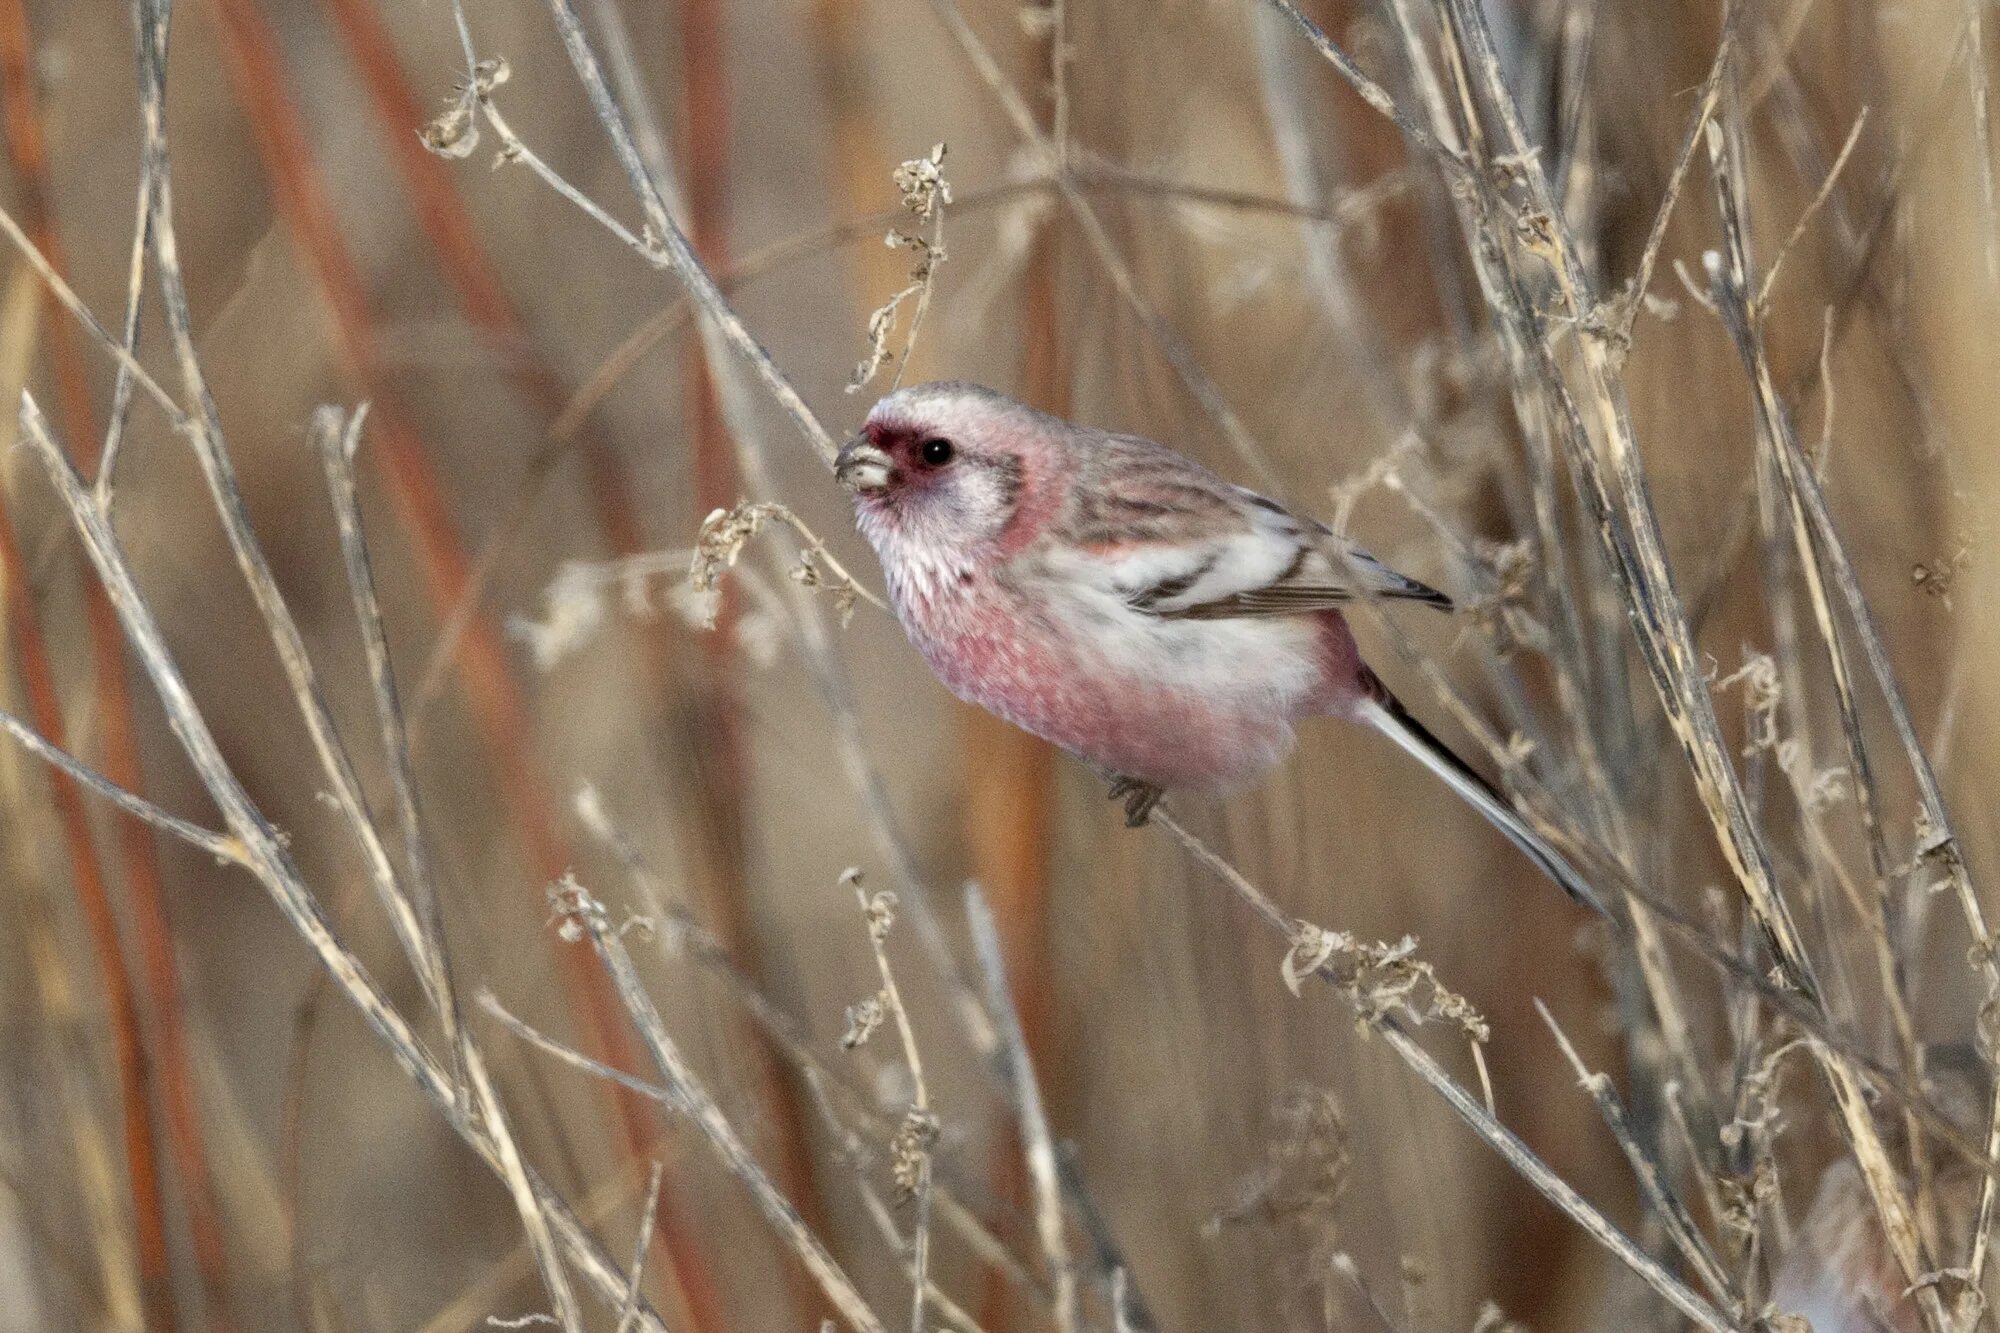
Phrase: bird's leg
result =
(1140, 798)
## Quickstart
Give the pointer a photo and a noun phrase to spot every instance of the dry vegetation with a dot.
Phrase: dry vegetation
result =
(477, 854)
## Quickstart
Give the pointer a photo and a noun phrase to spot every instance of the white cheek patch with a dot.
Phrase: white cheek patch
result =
(930, 537)
(922, 554)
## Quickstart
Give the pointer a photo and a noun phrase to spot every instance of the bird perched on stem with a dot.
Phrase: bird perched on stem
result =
(1126, 603)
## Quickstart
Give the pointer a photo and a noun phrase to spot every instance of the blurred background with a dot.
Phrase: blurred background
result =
(1205, 236)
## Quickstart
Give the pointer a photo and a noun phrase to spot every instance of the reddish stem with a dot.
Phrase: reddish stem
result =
(134, 1079)
(159, 971)
(417, 495)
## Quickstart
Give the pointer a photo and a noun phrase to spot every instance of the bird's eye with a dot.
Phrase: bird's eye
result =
(936, 452)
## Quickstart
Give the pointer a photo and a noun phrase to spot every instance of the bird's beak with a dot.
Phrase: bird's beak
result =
(861, 467)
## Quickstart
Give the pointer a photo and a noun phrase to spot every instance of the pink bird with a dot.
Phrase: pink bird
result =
(1125, 603)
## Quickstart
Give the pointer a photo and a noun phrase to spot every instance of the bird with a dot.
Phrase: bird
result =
(1126, 603)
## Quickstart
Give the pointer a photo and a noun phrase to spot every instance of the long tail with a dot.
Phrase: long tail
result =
(1387, 715)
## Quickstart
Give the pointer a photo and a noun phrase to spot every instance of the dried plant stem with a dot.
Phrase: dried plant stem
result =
(483, 297)
(665, 246)
(1039, 1144)
(841, 1106)
(142, 1165)
(311, 212)
(593, 1210)
(919, 1127)
(1468, 1107)
(1371, 92)
(1172, 346)
(1630, 531)
(497, 706)
(686, 1093)
(135, 304)
(261, 847)
(1666, 1205)
(534, 1213)
(718, 404)
(1762, 303)
(1691, 138)
(566, 427)
(338, 441)
(717, 723)
(485, 301)
(338, 438)
(1822, 558)
(1504, 292)
(158, 970)
(1347, 210)
(980, 1240)
(729, 338)
(1743, 316)
(630, 1313)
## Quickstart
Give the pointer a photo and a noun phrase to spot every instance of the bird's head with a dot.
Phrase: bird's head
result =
(952, 468)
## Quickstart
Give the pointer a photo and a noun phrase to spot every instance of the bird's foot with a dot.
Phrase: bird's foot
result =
(1139, 797)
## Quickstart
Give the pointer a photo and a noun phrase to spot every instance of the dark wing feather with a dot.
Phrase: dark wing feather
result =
(1307, 587)
(1176, 541)
(1291, 599)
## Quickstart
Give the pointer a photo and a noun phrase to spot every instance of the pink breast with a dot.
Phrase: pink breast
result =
(1022, 668)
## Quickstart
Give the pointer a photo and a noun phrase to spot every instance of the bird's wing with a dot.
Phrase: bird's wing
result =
(1170, 538)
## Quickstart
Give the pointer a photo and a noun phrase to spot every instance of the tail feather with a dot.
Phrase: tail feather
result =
(1387, 715)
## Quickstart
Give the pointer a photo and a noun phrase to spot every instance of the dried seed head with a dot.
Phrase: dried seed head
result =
(453, 133)
(574, 911)
(881, 913)
(1379, 979)
(720, 543)
(1761, 692)
(925, 192)
(1492, 1319)
(910, 1150)
(863, 1019)
(922, 184)
(1311, 947)
(573, 611)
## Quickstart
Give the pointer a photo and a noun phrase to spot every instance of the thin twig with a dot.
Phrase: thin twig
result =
(724, 332)
(1762, 303)
(262, 847)
(1656, 236)
(630, 1313)
(1173, 347)
(1373, 93)
(338, 437)
(1036, 1141)
(685, 1089)
(919, 1129)
(1468, 1107)
(1666, 1205)
(221, 846)
(686, 938)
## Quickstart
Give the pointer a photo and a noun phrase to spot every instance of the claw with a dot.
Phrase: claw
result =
(1140, 798)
